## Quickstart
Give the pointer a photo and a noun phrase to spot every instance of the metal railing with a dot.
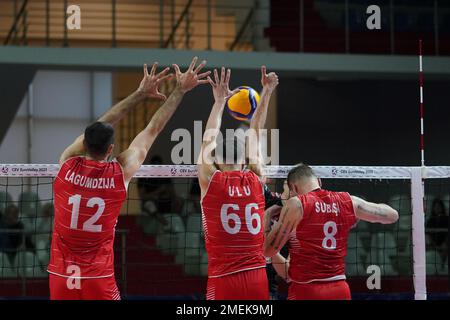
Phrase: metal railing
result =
(19, 23)
(257, 25)
(184, 24)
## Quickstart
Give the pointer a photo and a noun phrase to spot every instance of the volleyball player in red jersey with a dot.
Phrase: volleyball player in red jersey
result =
(316, 222)
(233, 203)
(90, 191)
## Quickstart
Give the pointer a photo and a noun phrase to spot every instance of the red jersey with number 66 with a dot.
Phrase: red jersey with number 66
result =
(233, 211)
(319, 245)
(88, 198)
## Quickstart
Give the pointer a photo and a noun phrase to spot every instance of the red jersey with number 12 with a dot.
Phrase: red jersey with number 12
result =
(88, 198)
(319, 245)
(233, 211)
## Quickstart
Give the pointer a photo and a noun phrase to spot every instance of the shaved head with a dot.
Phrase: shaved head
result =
(300, 172)
(302, 179)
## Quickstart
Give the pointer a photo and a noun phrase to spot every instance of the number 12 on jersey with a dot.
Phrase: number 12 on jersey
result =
(89, 225)
(228, 214)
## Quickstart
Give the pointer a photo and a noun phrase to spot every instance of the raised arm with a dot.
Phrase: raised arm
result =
(374, 212)
(276, 238)
(269, 82)
(221, 92)
(132, 158)
(148, 88)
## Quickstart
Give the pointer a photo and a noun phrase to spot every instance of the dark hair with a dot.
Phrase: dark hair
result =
(439, 202)
(97, 138)
(299, 172)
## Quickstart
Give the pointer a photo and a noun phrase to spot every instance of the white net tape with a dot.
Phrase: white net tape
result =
(190, 171)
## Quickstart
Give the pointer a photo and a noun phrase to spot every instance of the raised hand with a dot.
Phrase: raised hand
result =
(268, 81)
(191, 78)
(149, 86)
(221, 88)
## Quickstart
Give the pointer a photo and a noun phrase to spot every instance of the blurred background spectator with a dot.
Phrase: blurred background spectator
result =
(45, 220)
(158, 196)
(12, 238)
(438, 221)
(192, 203)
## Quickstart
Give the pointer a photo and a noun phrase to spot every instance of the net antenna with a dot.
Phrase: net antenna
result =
(418, 198)
(422, 140)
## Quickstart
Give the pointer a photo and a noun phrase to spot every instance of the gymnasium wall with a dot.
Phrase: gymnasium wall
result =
(321, 121)
(62, 104)
(362, 122)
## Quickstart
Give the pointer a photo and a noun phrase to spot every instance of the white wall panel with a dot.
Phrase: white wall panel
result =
(63, 104)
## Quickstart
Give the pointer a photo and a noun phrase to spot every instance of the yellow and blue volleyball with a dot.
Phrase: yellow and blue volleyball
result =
(242, 104)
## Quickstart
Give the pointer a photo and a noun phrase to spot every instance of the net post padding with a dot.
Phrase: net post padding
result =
(418, 233)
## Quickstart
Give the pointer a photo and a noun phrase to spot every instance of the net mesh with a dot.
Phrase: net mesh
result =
(159, 246)
(437, 226)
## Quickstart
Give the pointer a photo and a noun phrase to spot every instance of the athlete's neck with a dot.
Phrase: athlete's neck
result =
(230, 167)
(87, 157)
(309, 186)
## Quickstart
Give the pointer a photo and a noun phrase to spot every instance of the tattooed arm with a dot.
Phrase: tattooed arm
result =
(290, 217)
(374, 212)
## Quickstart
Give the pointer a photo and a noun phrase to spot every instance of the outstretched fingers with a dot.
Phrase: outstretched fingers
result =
(193, 63)
(176, 68)
(162, 73)
(153, 71)
(227, 78)
(222, 75)
(145, 70)
(234, 91)
(200, 66)
(211, 82)
(166, 77)
(216, 76)
(203, 75)
(203, 81)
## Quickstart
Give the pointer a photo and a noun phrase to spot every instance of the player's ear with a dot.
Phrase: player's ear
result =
(296, 189)
(110, 150)
(290, 186)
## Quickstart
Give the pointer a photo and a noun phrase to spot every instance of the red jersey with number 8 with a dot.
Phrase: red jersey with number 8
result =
(319, 245)
(88, 198)
(233, 211)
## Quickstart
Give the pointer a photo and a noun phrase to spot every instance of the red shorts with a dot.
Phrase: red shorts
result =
(62, 288)
(330, 290)
(244, 285)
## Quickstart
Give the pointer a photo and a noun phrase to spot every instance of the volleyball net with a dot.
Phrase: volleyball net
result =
(159, 246)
